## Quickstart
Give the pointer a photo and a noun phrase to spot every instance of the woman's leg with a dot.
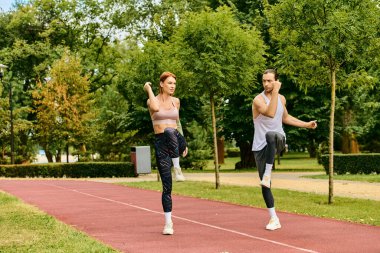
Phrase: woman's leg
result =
(164, 165)
(177, 145)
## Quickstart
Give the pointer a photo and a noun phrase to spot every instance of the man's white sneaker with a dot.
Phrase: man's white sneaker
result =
(274, 223)
(168, 229)
(266, 181)
(179, 177)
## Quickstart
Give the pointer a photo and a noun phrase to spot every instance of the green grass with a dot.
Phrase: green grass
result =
(288, 162)
(372, 178)
(346, 209)
(24, 228)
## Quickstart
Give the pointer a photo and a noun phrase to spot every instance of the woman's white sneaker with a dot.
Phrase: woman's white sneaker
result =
(179, 177)
(168, 229)
(274, 223)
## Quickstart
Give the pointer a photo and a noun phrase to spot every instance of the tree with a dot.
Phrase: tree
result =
(237, 125)
(358, 114)
(318, 38)
(62, 107)
(111, 138)
(220, 57)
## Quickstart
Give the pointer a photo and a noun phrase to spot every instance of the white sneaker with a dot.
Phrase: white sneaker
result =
(179, 177)
(274, 223)
(266, 181)
(168, 229)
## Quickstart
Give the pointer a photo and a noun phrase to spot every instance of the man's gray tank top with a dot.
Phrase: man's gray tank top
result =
(264, 124)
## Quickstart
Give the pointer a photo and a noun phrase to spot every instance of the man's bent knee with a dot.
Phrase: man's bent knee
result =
(270, 137)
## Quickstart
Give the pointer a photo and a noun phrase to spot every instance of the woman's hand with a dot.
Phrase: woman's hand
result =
(147, 87)
(185, 152)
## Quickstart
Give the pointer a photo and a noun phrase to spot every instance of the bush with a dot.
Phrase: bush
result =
(71, 170)
(199, 149)
(233, 152)
(353, 163)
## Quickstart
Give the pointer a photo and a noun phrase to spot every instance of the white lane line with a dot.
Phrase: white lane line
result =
(191, 221)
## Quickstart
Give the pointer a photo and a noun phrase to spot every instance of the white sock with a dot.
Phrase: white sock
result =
(175, 162)
(272, 212)
(268, 169)
(168, 217)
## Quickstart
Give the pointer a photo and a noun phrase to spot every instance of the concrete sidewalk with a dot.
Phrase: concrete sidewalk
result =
(281, 180)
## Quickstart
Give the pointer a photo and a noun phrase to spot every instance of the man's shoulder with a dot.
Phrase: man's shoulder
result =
(258, 97)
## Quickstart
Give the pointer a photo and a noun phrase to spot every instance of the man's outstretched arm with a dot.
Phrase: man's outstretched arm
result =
(293, 121)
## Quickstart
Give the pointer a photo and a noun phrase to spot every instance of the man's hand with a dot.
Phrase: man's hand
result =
(276, 86)
(312, 124)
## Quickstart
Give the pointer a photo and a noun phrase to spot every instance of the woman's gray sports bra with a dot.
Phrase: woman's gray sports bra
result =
(164, 116)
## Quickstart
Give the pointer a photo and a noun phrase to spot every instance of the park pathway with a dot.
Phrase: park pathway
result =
(281, 180)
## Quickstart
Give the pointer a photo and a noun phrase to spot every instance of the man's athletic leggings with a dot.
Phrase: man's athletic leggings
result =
(169, 144)
(275, 144)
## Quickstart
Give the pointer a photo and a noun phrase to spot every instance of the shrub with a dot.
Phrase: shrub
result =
(233, 152)
(199, 148)
(353, 163)
(71, 170)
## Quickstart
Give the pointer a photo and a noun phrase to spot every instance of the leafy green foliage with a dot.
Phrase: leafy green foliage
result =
(317, 36)
(62, 106)
(199, 147)
(220, 55)
(354, 163)
(112, 135)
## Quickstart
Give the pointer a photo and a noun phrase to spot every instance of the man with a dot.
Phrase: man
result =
(269, 112)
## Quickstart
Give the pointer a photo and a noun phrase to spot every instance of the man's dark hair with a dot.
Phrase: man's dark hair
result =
(271, 71)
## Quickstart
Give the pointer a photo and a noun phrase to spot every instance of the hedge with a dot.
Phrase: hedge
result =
(353, 163)
(233, 152)
(70, 170)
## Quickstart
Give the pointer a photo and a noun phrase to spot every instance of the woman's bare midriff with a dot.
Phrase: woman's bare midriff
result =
(159, 129)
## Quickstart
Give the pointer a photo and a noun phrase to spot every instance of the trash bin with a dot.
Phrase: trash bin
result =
(140, 157)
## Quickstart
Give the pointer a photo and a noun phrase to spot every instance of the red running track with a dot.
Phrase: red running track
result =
(131, 220)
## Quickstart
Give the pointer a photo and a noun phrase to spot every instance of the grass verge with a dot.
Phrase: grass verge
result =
(288, 162)
(346, 209)
(361, 177)
(24, 228)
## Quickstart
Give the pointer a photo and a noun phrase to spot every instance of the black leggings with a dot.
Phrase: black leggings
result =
(169, 144)
(275, 144)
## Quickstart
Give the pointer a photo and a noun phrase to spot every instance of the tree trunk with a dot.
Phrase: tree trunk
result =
(247, 159)
(349, 143)
(354, 144)
(83, 148)
(331, 138)
(67, 153)
(312, 149)
(49, 156)
(58, 156)
(212, 103)
(220, 150)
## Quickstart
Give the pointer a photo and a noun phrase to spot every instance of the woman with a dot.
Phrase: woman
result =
(169, 143)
